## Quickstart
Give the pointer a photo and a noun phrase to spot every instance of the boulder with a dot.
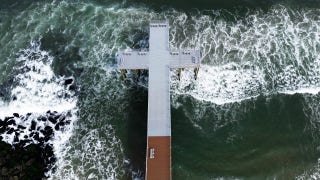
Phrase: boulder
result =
(11, 122)
(52, 119)
(43, 118)
(33, 125)
(2, 129)
(36, 137)
(48, 153)
(7, 118)
(16, 115)
(57, 127)
(11, 130)
(68, 81)
(62, 123)
(21, 127)
(48, 133)
(15, 139)
(72, 87)
(24, 142)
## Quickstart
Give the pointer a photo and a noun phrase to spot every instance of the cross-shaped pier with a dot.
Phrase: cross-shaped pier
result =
(159, 60)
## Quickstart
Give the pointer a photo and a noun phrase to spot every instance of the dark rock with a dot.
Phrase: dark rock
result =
(68, 122)
(25, 136)
(52, 160)
(21, 127)
(48, 133)
(52, 119)
(14, 160)
(62, 123)
(42, 131)
(48, 153)
(22, 143)
(57, 127)
(16, 115)
(7, 118)
(10, 131)
(32, 134)
(68, 81)
(48, 112)
(36, 137)
(25, 69)
(48, 129)
(11, 122)
(25, 118)
(33, 125)
(14, 98)
(72, 87)
(22, 117)
(29, 114)
(43, 118)
(2, 129)
(41, 141)
(15, 139)
(69, 113)
(56, 117)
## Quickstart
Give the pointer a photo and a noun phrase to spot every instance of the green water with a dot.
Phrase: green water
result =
(271, 138)
(242, 119)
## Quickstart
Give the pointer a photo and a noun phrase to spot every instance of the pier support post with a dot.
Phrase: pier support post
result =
(196, 70)
(123, 74)
(179, 73)
(136, 73)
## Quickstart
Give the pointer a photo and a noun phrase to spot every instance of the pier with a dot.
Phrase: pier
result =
(159, 59)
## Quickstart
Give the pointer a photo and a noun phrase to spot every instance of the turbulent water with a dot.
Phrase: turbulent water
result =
(253, 112)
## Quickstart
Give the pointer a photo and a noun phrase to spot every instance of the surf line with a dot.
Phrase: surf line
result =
(158, 59)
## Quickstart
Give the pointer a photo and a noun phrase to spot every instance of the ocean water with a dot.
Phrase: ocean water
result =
(253, 112)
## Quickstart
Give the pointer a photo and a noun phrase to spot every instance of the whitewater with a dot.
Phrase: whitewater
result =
(259, 53)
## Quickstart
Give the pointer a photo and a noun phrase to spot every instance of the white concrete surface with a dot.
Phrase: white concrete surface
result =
(159, 59)
(159, 121)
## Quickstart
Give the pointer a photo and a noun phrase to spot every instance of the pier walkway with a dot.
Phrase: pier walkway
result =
(159, 60)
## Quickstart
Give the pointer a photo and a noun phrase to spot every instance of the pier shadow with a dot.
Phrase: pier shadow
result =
(136, 129)
(188, 5)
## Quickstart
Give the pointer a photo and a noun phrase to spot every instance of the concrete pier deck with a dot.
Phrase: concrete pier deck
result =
(159, 120)
(158, 60)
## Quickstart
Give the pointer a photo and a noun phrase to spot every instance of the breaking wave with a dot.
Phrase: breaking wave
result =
(258, 53)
